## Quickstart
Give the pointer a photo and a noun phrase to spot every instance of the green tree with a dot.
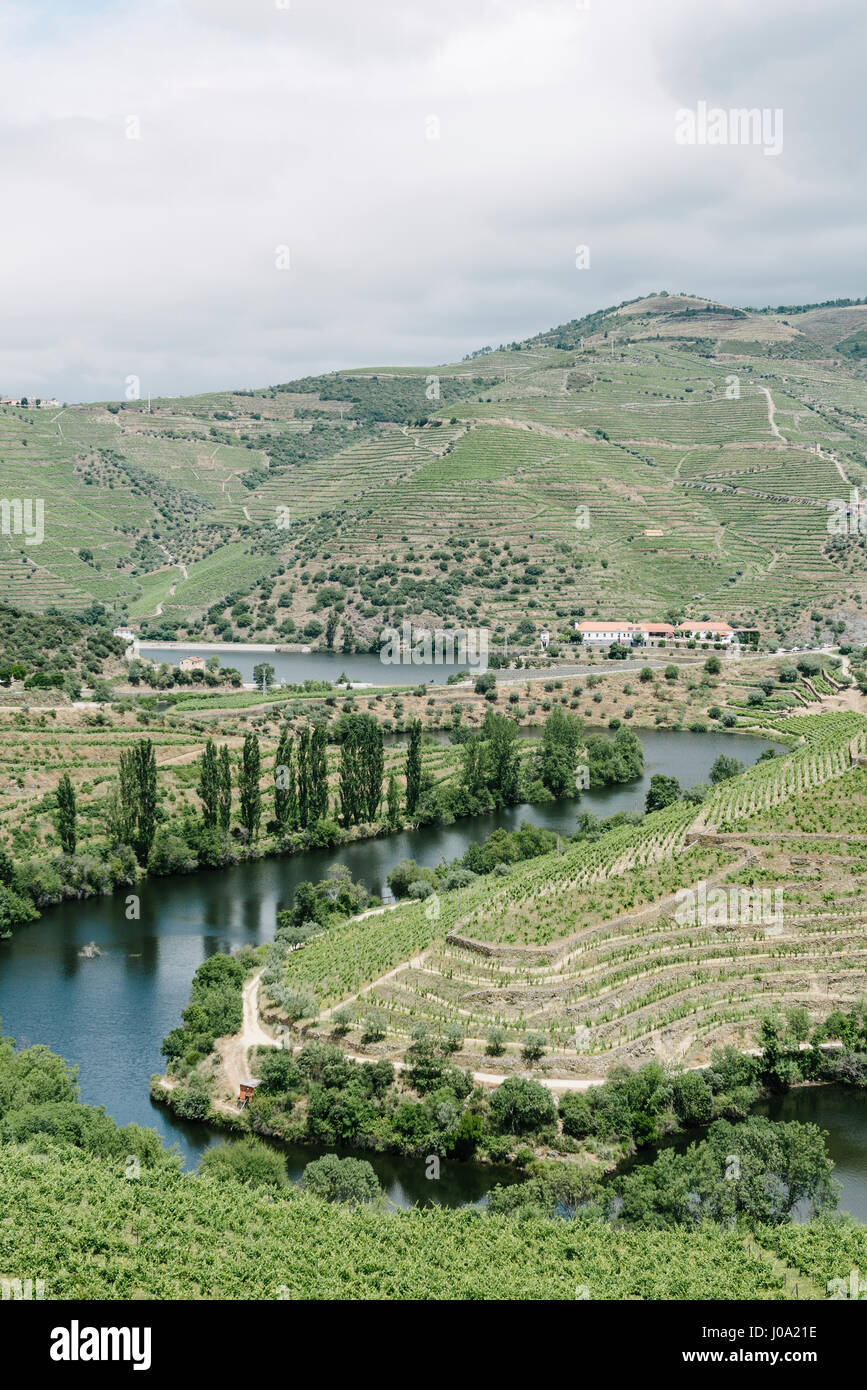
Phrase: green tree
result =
(225, 788)
(336, 1179)
(519, 1106)
(245, 1160)
(331, 629)
(413, 767)
(555, 759)
(372, 767)
(249, 794)
(285, 791)
(318, 774)
(209, 784)
(503, 757)
(724, 767)
(65, 816)
(145, 769)
(663, 791)
(264, 675)
(304, 778)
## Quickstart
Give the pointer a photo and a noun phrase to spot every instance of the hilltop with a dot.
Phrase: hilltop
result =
(704, 440)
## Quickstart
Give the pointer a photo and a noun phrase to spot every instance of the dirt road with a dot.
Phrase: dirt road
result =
(233, 1051)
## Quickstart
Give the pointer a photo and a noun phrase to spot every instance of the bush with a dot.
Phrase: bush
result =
(533, 1048)
(520, 1106)
(496, 1042)
(342, 1179)
(245, 1160)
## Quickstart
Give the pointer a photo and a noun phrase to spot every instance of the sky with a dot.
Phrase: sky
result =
(209, 194)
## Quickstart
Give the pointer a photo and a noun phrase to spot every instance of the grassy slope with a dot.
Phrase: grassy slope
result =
(741, 513)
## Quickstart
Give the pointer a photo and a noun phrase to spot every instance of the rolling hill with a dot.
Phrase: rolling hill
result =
(705, 441)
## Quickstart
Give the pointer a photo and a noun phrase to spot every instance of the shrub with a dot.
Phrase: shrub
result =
(519, 1106)
(336, 1179)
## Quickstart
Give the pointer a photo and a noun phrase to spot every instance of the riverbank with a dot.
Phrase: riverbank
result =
(235, 1060)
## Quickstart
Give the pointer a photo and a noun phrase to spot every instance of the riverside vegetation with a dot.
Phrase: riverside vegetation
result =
(104, 1206)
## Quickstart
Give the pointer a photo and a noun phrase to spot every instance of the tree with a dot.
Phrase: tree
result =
(350, 772)
(248, 785)
(264, 675)
(123, 811)
(713, 665)
(503, 757)
(331, 629)
(304, 778)
(209, 784)
(342, 1179)
(285, 792)
(663, 791)
(318, 773)
(372, 767)
(724, 767)
(555, 760)
(756, 1172)
(413, 767)
(65, 816)
(145, 774)
(519, 1106)
(225, 788)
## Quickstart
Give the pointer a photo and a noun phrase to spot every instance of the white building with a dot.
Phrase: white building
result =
(705, 632)
(605, 633)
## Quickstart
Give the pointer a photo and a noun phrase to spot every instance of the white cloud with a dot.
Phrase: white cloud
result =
(262, 126)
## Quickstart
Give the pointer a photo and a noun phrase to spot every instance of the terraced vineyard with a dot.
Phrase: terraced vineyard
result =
(705, 443)
(597, 948)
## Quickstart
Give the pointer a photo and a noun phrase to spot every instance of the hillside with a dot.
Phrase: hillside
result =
(587, 947)
(705, 441)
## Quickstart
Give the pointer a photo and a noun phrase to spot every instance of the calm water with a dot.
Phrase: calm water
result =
(110, 1015)
(291, 667)
(841, 1111)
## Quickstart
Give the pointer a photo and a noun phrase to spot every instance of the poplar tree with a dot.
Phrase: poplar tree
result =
(225, 788)
(209, 784)
(126, 798)
(318, 773)
(350, 772)
(285, 793)
(303, 778)
(145, 773)
(372, 767)
(248, 785)
(413, 767)
(65, 818)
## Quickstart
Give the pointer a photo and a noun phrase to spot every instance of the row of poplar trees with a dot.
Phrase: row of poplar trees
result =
(301, 778)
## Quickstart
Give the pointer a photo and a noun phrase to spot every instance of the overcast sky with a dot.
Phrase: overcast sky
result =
(262, 125)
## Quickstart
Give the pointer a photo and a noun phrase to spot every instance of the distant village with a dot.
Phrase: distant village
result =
(42, 402)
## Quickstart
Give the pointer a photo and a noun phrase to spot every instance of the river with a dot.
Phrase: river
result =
(296, 667)
(109, 1015)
